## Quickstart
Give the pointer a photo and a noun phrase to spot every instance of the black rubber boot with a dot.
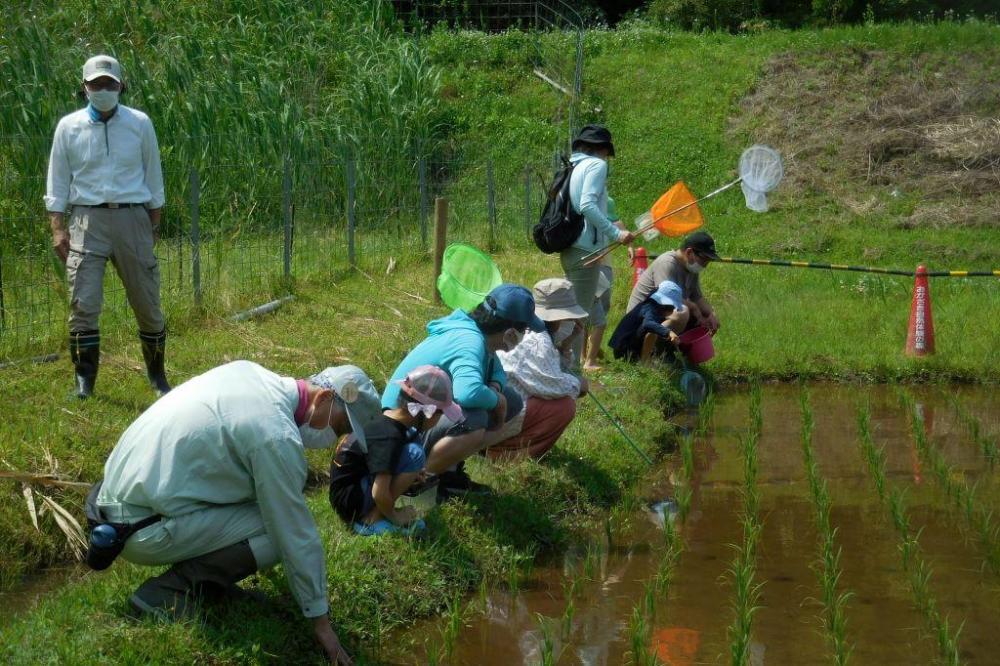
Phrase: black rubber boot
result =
(153, 348)
(85, 352)
(180, 590)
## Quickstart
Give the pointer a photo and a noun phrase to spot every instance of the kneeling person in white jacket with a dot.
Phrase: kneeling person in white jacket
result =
(221, 459)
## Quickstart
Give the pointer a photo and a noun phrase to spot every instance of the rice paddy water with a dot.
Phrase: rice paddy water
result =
(825, 524)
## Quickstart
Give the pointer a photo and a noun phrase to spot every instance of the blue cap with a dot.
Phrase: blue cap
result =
(515, 303)
(669, 293)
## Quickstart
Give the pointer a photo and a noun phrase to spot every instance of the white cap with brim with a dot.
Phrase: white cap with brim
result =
(357, 393)
(102, 65)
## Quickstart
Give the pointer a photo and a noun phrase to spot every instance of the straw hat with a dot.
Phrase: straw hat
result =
(555, 300)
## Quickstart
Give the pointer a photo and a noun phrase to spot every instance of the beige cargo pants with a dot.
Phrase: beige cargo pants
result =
(125, 236)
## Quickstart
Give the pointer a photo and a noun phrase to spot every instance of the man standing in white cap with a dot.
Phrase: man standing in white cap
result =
(104, 172)
(210, 480)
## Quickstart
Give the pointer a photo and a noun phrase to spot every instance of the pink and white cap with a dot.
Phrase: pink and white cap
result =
(430, 385)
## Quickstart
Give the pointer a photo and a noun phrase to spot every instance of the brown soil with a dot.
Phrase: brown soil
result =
(858, 124)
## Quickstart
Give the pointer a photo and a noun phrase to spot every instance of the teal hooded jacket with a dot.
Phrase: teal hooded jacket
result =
(456, 345)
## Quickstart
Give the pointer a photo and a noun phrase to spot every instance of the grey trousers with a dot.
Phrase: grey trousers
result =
(125, 236)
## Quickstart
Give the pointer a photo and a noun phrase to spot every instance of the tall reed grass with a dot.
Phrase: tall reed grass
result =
(250, 84)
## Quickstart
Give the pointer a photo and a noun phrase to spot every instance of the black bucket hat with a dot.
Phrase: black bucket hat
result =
(595, 135)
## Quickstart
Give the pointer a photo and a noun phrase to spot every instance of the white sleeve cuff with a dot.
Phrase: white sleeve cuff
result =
(316, 607)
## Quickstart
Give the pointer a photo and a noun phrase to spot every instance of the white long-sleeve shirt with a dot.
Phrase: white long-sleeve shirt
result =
(94, 162)
(227, 436)
(534, 370)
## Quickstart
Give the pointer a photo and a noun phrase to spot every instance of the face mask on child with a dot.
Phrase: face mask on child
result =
(563, 332)
(512, 338)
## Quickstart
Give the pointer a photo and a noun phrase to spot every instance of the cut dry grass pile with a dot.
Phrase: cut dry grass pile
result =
(856, 122)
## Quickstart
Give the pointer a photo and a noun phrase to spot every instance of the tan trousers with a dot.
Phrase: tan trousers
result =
(125, 236)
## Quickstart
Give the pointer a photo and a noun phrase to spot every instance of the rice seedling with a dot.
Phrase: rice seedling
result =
(452, 626)
(547, 644)
(987, 445)
(435, 654)
(742, 571)
(827, 565)
(668, 560)
(705, 412)
(571, 590)
(962, 495)
(687, 456)
(640, 633)
(917, 570)
(684, 494)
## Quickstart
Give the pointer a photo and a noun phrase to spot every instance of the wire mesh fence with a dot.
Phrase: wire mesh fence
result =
(235, 235)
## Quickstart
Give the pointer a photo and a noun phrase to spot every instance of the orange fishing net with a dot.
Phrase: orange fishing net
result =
(670, 223)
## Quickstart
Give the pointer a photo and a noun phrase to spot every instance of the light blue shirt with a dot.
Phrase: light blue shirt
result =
(588, 193)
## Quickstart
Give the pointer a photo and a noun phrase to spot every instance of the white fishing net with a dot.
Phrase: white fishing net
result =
(760, 171)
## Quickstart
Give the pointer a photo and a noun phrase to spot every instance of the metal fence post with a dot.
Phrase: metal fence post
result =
(422, 178)
(286, 207)
(440, 239)
(351, 185)
(527, 201)
(3, 306)
(491, 204)
(195, 236)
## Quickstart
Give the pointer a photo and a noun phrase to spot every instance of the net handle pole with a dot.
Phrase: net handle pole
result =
(591, 259)
(618, 425)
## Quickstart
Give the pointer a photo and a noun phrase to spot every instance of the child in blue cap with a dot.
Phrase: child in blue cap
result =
(662, 314)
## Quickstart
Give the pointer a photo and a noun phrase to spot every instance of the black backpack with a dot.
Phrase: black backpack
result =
(559, 225)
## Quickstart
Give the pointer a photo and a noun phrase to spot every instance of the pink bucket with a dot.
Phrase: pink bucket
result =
(697, 345)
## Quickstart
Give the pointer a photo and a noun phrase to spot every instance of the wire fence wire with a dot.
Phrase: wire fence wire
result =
(235, 236)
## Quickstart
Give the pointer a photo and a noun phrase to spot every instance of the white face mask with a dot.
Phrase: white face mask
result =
(103, 100)
(316, 438)
(693, 266)
(563, 332)
(512, 338)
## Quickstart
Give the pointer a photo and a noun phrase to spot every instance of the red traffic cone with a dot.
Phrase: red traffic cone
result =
(920, 334)
(640, 262)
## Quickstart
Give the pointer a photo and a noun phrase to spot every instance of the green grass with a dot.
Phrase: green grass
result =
(375, 584)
